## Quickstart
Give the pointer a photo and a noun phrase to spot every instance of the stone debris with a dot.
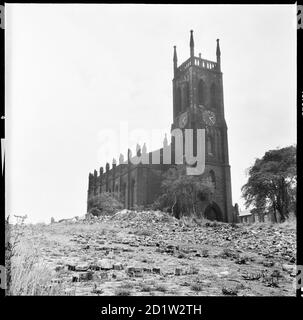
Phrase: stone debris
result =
(117, 253)
(105, 264)
(134, 271)
(82, 267)
(230, 291)
(82, 276)
(291, 269)
(118, 266)
(178, 271)
(156, 270)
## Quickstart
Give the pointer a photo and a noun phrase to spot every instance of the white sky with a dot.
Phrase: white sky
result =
(75, 70)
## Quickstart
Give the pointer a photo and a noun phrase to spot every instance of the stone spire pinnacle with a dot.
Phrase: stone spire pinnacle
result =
(175, 59)
(191, 44)
(218, 53)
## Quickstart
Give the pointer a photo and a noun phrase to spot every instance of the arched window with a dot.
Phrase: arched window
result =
(178, 101)
(212, 178)
(220, 150)
(186, 96)
(201, 92)
(213, 96)
(210, 145)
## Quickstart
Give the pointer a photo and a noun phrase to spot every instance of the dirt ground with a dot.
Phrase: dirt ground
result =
(151, 253)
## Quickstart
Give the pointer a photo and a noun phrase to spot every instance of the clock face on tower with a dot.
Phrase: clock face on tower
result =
(209, 117)
(183, 120)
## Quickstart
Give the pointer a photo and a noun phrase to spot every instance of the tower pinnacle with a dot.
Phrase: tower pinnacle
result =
(191, 43)
(175, 59)
(218, 53)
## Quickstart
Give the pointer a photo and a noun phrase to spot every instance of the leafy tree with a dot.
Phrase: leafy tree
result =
(271, 186)
(181, 192)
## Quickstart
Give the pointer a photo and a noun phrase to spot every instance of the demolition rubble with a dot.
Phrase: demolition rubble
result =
(153, 253)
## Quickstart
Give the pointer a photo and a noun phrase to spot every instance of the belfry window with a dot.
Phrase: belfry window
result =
(210, 146)
(201, 92)
(213, 96)
(212, 178)
(186, 96)
(178, 101)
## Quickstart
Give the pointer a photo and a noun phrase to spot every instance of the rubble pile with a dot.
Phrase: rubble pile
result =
(143, 216)
(144, 252)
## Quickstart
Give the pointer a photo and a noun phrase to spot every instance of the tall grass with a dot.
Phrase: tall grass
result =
(27, 274)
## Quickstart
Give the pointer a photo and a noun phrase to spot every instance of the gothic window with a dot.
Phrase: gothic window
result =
(201, 92)
(212, 178)
(186, 96)
(210, 146)
(178, 101)
(220, 151)
(213, 98)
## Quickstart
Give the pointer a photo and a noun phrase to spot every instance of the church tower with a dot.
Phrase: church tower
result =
(198, 104)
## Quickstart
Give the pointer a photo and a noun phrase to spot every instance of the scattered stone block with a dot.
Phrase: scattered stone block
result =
(118, 266)
(75, 278)
(291, 269)
(94, 267)
(204, 253)
(178, 271)
(230, 291)
(135, 271)
(268, 263)
(105, 264)
(85, 276)
(156, 270)
(71, 267)
(82, 267)
(56, 281)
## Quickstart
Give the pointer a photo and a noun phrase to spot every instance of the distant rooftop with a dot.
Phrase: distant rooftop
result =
(244, 213)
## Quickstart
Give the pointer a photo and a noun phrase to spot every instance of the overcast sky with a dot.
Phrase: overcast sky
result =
(73, 71)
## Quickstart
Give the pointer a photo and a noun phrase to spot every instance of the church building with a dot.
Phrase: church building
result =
(197, 104)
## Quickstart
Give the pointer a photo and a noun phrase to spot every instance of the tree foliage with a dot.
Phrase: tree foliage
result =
(104, 204)
(181, 193)
(271, 186)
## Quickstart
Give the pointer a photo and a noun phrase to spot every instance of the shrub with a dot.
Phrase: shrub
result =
(145, 287)
(104, 204)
